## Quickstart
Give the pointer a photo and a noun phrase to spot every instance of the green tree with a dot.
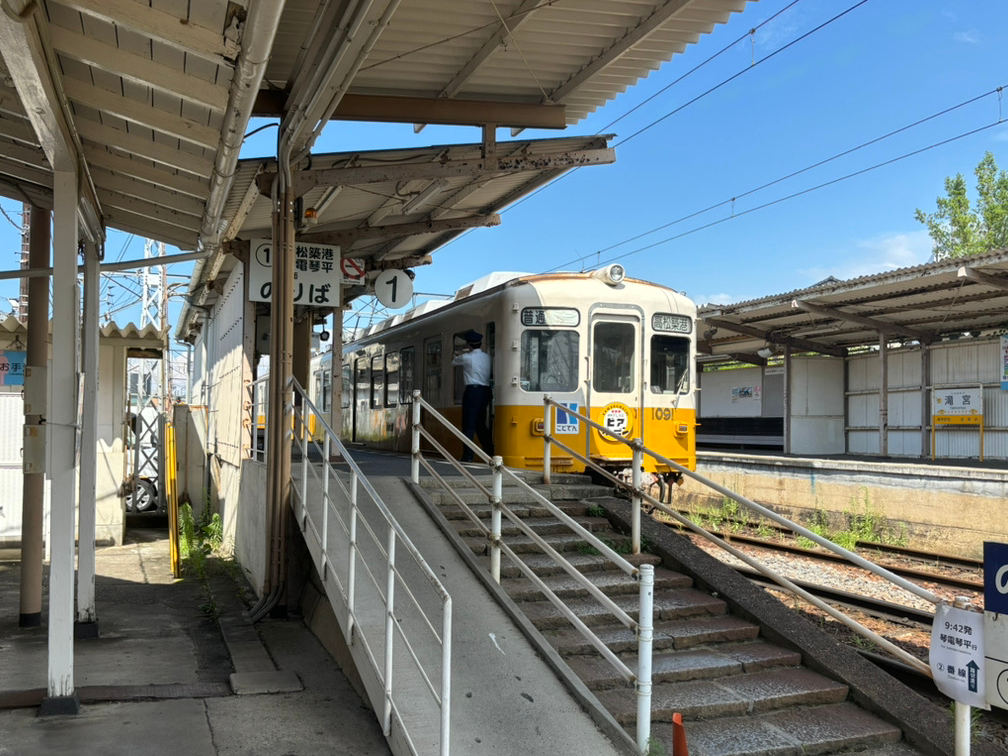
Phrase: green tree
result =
(958, 230)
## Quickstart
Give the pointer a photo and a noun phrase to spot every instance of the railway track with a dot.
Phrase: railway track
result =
(915, 570)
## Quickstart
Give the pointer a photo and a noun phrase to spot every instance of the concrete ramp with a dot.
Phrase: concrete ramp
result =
(504, 698)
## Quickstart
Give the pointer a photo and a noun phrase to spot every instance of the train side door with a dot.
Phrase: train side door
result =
(433, 378)
(615, 393)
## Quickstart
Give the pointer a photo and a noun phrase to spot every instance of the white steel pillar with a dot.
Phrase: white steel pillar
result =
(61, 697)
(87, 616)
(925, 399)
(883, 395)
(787, 399)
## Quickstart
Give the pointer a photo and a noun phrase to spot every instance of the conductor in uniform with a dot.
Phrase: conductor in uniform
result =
(476, 367)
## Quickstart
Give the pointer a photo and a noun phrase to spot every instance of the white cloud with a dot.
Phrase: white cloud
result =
(1001, 136)
(877, 254)
(716, 299)
(967, 37)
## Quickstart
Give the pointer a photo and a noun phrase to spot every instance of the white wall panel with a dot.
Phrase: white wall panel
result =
(723, 393)
(227, 437)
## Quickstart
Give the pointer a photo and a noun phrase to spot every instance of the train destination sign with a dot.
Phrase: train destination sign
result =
(319, 270)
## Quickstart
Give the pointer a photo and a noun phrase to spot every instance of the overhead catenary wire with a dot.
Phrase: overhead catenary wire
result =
(823, 185)
(818, 164)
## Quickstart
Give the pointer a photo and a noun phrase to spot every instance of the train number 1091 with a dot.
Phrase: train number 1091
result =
(661, 413)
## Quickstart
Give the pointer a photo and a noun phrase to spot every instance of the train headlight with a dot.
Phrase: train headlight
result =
(611, 274)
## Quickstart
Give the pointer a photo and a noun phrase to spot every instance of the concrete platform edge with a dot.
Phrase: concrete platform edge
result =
(925, 725)
(577, 688)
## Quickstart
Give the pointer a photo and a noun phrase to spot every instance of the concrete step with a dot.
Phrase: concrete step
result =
(514, 495)
(543, 526)
(531, 477)
(670, 665)
(611, 582)
(562, 542)
(737, 695)
(669, 605)
(792, 732)
(678, 634)
(586, 563)
(482, 510)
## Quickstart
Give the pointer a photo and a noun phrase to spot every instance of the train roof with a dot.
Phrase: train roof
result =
(490, 282)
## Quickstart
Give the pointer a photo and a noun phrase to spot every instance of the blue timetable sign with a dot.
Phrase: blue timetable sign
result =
(996, 577)
(12, 367)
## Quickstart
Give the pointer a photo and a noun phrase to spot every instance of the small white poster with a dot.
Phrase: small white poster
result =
(957, 655)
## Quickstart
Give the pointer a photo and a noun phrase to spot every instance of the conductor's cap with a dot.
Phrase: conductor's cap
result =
(473, 337)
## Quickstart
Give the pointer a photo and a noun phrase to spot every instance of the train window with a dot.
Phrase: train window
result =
(317, 394)
(377, 381)
(407, 364)
(669, 365)
(432, 371)
(345, 388)
(549, 360)
(326, 389)
(392, 379)
(613, 355)
(363, 384)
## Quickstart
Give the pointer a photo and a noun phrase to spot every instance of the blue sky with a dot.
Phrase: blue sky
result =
(882, 66)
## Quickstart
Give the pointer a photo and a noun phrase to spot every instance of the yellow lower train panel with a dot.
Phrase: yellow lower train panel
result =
(518, 436)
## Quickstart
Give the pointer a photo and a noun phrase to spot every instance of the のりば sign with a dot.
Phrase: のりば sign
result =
(319, 271)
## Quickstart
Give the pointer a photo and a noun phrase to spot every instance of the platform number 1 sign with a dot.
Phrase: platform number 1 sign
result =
(393, 288)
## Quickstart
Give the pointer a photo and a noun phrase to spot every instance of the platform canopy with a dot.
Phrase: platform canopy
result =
(921, 304)
(154, 97)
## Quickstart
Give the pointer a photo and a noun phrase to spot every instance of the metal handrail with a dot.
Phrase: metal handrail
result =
(342, 545)
(639, 494)
(644, 575)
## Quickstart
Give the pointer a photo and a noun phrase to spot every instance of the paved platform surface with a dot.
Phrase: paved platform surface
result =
(160, 677)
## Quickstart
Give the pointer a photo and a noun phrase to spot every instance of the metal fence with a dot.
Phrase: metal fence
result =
(395, 614)
(639, 494)
(643, 626)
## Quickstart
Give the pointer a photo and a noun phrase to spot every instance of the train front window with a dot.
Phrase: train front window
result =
(613, 354)
(549, 360)
(669, 365)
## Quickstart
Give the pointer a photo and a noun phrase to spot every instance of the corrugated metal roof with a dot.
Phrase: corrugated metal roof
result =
(921, 303)
(148, 336)
(151, 93)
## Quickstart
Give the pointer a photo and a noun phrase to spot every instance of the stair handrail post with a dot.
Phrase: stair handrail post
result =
(390, 577)
(415, 445)
(496, 498)
(635, 495)
(326, 470)
(645, 641)
(963, 712)
(304, 462)
(547, 433)
(352, 559)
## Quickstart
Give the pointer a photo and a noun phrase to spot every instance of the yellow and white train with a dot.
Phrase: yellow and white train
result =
(618, 350)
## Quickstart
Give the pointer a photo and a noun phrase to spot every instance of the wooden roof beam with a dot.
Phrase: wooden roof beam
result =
(804, 345)
(972, 274)
(461, 112)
